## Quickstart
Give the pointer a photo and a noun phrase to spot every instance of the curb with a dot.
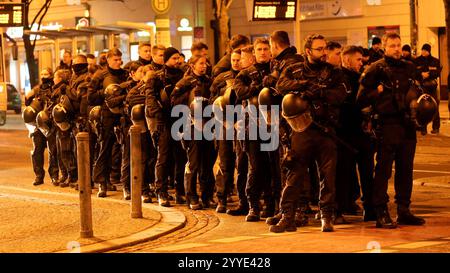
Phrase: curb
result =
(171, 220)
(438, 181)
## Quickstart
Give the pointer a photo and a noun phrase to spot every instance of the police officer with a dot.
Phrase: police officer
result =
(375, 52)
(222, 87)
(64, 138)
(136, 97)
(66, 62)
(247, 59)
(429, 69)
(42, 94)
(145, 53)
(193, 90)
(406, 53)
(157, 57)
(224, 64)
(77, 94)
(113, 74)
(158, 89)
(284, 55)
(201, 49)
(334, 51)
(350, 130)
(247, 85)
(321, 89)
(385, 88)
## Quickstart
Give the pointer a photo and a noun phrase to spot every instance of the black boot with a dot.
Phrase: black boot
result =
(146, 198)
(102, 190)
(326, 218)
(405, 217)
(271, 221)
(126, 194)
(286, 223)
(163, 199)
(253, 215)
(193, 204)
(55, 182)
(384, 219)
(222, 206)
(301, 219)
(241, 210)
(269, 210)
(339, 219)
(38, 182)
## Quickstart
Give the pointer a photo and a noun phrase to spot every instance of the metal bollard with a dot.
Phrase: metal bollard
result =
(136, 171)
(84, 181)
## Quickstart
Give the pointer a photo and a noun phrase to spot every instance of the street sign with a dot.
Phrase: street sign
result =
(11, 14)
(161, 6)
(82, 21)
(274, 10)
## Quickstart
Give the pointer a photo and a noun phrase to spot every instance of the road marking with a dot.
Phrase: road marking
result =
(234, 239)
(343, 226)
(179, 247)
(376, 251)
(417, 245)
(428, 171)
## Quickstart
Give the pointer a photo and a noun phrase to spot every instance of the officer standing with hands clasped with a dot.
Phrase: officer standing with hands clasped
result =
(387, 89)
(430, 70)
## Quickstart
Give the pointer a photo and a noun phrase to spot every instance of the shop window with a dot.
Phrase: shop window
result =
(186, 43)
(380, 31)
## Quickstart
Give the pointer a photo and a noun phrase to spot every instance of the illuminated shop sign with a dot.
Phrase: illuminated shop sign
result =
(11, 15)
(274, 10)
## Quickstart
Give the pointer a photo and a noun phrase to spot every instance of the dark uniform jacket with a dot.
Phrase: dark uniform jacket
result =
(43, 92)
(155, 67)
(249, 82)
(223, 65)
(78, 91)
(286, 58)
(220, 84)
(428, 64)
(350, 117)
(190, 86)
(391, 106)
(375, 55)
(103, 78)
(322, 84)
(158, 90)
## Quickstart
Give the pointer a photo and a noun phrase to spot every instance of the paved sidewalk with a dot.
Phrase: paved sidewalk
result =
(35, 220)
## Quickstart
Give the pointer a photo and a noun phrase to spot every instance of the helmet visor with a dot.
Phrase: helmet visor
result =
(301, 122)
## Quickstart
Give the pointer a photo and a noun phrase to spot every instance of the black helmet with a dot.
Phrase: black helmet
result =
(269, 96)
(229, 95)
(95, 117)
(112, 91)
(296, 111)
(44, 123)
(426, 109)
(138, 116)
(31, 111)
(266, 98)
(61, 117)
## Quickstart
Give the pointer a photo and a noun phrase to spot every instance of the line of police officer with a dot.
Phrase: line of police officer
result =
(314, 136)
